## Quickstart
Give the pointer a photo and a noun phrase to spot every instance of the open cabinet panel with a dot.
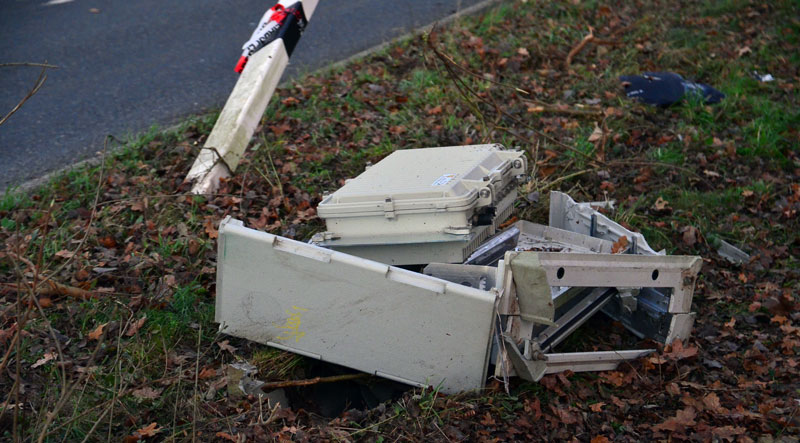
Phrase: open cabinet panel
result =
(351, 311)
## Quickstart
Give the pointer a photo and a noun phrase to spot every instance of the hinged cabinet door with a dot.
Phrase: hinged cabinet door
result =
(351, 311)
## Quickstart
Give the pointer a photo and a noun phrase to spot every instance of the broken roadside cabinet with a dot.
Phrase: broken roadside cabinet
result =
(519, 295)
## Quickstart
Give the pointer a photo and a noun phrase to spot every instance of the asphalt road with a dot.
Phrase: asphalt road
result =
(125, 65)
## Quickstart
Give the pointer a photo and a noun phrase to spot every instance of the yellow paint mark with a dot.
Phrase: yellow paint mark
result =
(291, 328)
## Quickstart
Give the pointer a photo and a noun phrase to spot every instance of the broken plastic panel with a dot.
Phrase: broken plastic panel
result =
(493, 250)
(582, 218)
(472, 276)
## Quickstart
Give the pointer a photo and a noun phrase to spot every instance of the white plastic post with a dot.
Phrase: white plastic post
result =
(242, 112)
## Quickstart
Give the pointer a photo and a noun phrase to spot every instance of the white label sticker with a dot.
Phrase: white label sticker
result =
(443, 180)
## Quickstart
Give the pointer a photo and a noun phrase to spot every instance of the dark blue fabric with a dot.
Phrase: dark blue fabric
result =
(666, 88)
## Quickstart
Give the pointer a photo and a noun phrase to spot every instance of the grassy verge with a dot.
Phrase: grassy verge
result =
(141, 357)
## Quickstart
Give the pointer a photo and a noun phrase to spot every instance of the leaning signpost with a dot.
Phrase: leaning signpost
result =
(263, 60)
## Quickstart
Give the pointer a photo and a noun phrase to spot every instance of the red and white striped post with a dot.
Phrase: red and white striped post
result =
(264, 58)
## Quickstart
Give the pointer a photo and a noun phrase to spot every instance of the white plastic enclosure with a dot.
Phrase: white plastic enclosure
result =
(351, 311)
(415, 191)
(422, 205)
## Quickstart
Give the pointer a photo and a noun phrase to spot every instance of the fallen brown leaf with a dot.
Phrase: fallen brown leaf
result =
(107, 242)
(690, 235)
(207, 373)
(225, 346)
(97, 333)
(226, 436)
(147, 393)
(435, 110)
(208, 226)
(679, 352)
(683, 419)
(730, 324)
(149, 431)
(280, 129)
(660, 205)
(64, 254)
(619, 245)
(711, 403)
(135, 326)
(615, 378)
(596, 135)
(48, 357)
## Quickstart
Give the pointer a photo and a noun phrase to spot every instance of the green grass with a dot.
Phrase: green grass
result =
(188, 309)
(672, 154)
(720, 7)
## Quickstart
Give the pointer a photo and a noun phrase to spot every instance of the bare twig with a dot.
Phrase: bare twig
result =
(589, 37)
(459, 83)
(563, 178)
(630, 27)
(31, 64)
(32, 300)
(177, 400)
(36, 86)
(97, 422)
(117, 378)
(52, 288)
(220, 159)
(311, 381)
(482, 77)
(601, 147)
(196, 381)
(50, 416)
(277, 177)
(544, 107)
(660, 164)
(75, 411)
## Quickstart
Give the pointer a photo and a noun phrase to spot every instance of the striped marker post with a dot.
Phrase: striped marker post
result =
(264, 58)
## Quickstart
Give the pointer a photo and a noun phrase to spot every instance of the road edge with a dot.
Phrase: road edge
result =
(34, 183)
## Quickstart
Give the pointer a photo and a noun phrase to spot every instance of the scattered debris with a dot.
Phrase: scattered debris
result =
(241, 381)
(731, 253)
(465, 321)
(666, 88)
(763, 78)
